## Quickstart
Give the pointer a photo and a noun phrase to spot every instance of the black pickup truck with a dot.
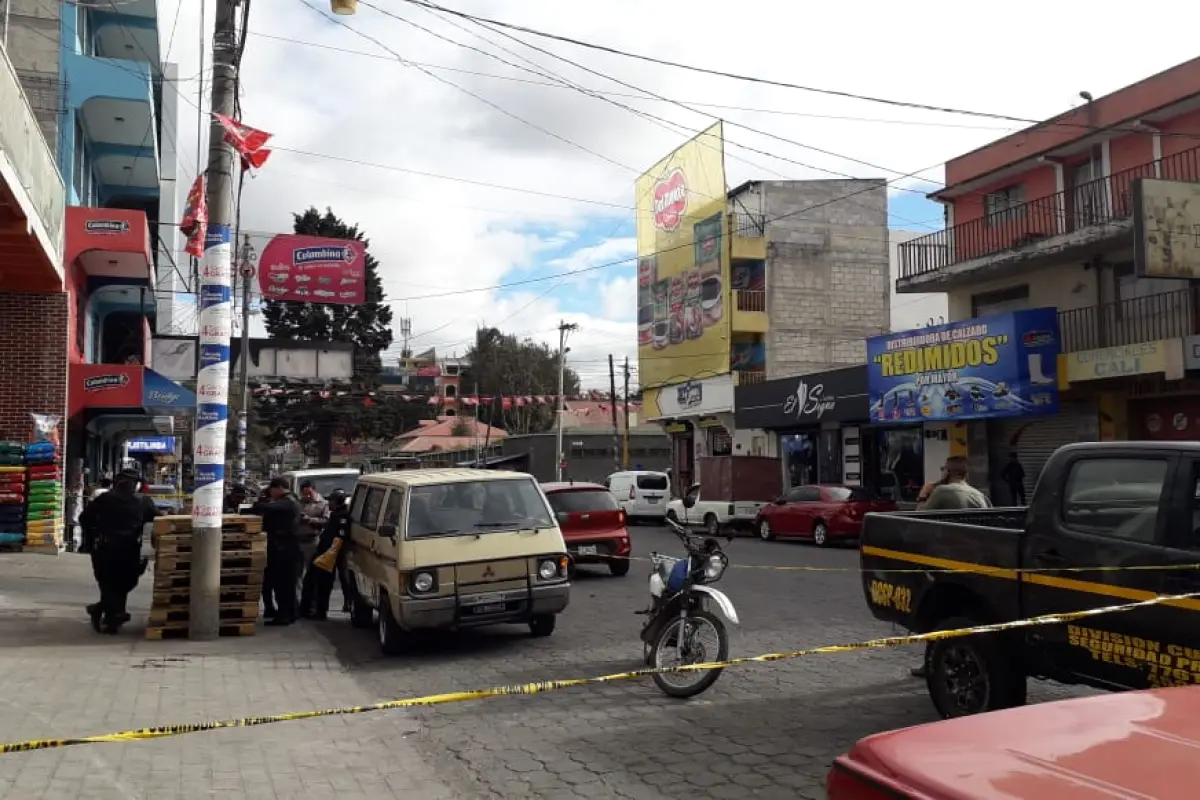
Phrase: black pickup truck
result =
(1119, 504)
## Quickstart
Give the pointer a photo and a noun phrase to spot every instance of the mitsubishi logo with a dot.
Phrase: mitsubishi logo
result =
(487, 572)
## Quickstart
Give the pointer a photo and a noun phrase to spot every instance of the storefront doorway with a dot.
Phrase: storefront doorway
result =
(799, 452)
(896, 462)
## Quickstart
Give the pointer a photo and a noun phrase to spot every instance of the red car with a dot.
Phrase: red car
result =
(822, 513)
(592, 524)
(1126, 746)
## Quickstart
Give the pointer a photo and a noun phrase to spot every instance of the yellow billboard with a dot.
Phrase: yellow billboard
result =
(683, 265)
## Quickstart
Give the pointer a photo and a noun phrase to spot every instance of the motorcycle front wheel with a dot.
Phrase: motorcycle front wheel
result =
(705, 640)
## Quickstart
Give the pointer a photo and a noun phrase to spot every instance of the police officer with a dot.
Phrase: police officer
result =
(281, 516)
(115, 520)
(318, 583)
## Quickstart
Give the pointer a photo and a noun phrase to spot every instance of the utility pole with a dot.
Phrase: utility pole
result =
(625, 450)
(216, 319)
(246, 270)
(612, 402)
(560, 404)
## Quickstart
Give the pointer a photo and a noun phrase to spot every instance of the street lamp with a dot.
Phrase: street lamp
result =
(344, 8)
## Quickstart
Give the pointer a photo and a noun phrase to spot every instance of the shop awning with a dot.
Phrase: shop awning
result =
(109, 243)
(126, 387)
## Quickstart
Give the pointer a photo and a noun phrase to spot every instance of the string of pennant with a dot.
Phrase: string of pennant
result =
(506, 401)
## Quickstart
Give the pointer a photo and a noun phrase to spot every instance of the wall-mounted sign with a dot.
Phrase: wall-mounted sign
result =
(695, 398)
(838, 395)
(690, 395)
(105, 382)
(105, 386)
(158, 392)
(1146, 358)
(1004, 365)
(152, 444)
(107, 227)
(1166, 228)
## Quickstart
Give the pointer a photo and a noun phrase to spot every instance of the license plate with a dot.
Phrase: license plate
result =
(651, 499)
(483, 600)
(587, 549)
(488, 608)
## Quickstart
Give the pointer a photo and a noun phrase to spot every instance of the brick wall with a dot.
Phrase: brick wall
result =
(33, 360)
(827, 272)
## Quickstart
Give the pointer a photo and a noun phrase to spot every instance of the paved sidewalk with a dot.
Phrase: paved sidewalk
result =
(62, 679)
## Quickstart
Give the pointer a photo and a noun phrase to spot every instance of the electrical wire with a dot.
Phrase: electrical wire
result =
(756, 80)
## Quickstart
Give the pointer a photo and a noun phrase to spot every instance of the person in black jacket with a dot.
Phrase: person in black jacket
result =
(318, 583)
(115, 520)
(281, 516)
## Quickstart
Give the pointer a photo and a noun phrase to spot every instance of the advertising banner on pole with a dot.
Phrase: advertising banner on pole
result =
(683, 265)
(998, 366)
(311, 269)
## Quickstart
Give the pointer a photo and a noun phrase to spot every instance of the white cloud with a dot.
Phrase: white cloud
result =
(434, 235)
(618, 298)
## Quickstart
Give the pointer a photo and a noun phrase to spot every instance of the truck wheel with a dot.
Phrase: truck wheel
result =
(972, 674)
(711, 525)
(673, 517)
(820, 534)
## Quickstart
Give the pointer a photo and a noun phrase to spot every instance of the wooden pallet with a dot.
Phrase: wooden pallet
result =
(183, 543)
(230, 523)
(230, 579)
(234, 613)
(181, 632)
(230, 559)
(164, 598)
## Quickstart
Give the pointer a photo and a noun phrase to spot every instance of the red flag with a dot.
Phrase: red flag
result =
(195, 217)
(249, 142)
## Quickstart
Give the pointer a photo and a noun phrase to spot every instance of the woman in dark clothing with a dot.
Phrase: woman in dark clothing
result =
(318, 582)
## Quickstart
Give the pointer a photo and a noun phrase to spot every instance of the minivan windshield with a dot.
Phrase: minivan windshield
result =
(475, 507)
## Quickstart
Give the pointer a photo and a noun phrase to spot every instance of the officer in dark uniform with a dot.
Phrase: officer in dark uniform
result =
(115, 520)
(318, 583)
(281, 517)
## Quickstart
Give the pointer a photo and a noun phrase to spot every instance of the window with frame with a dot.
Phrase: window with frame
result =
(356, 502)
(1004, 205)
(394, 511)
(372, 506)
(1116, 497)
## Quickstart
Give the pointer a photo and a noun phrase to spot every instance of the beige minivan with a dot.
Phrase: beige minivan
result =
(454, 548)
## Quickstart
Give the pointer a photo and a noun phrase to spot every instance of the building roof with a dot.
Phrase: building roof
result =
(439, 434)
(597, 414)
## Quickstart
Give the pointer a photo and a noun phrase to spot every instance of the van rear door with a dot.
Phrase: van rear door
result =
(653, 488)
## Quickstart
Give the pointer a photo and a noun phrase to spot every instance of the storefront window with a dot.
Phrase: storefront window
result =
(901, 463)
(830, 462)
(799, 458)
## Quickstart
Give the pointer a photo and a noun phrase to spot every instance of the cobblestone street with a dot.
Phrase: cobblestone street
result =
(768, 729)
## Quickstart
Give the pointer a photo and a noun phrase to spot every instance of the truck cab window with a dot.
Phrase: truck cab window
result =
(1117, 497)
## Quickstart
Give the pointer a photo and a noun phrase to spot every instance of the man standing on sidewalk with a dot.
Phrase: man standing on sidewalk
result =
(281, 517)
(314, 514)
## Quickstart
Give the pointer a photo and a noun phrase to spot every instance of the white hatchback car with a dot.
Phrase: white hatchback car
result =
(641, 493)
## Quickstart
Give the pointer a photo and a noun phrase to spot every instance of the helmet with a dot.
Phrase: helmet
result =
(337, 497)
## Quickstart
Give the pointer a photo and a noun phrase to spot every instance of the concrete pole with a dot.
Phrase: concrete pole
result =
(560, 403)
(247, 273)
(216, 326)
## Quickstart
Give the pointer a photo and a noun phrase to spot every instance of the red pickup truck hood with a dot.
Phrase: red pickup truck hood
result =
(1139, 745)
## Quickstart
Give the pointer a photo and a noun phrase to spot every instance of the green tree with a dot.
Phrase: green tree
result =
(311, 419)
(503, 365)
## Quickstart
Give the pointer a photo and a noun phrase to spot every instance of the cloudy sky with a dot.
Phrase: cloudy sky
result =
(414, 151)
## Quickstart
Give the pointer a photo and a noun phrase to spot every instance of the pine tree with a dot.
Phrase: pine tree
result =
(367, 326)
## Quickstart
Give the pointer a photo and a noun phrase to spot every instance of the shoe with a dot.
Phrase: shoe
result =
(96, 614)
(919, 672)
(279, 622)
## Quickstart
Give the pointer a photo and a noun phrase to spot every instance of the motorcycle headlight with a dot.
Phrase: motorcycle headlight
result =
(714, 568)
(548, 570)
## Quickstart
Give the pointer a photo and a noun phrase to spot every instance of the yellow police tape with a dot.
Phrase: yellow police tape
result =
(555, 685)
(976, 569)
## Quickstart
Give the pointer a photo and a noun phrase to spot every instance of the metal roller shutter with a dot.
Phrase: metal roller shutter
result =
(1035, 439)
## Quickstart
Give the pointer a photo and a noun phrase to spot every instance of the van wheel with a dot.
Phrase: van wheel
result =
(361, 614)
(542, 625)
(972, 674)
(390, 634)
(711, 525)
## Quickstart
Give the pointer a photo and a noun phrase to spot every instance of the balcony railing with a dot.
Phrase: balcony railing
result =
(748, 226)
(749, 300)
(1170, 315)
(22, 142)
(1093, 203)
(746, 377)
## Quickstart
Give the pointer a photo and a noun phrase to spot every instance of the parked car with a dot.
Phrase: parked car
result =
(592, 524)
(824, 514)
(1127, 508)
(641, 493)
(1132, 745)
(453, 548)
(167, 498)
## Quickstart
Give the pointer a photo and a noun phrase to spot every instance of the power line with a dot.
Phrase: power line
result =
(753, 79)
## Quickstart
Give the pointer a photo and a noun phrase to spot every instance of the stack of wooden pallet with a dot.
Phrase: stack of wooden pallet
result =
(243, 559)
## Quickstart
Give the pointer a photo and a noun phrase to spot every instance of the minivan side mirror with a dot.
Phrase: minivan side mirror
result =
(691, 496)
(388, 530)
